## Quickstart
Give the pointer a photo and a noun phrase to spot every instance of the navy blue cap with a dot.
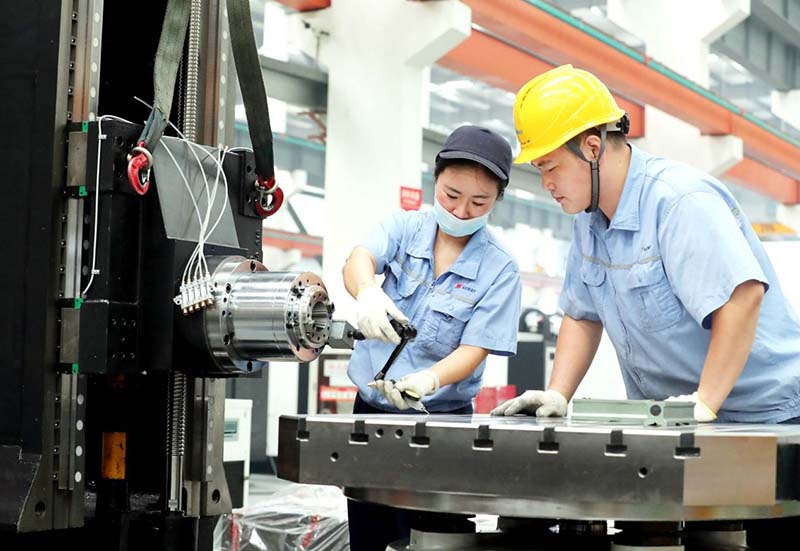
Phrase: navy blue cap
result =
(480, 145)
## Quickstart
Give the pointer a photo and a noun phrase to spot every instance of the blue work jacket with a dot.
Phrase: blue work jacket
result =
(673, 253)
(475, 302)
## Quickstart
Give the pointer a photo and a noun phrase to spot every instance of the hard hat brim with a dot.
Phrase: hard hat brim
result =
(532, 153)
(524, 157)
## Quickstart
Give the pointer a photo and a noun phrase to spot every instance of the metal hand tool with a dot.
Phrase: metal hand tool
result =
(407, 332)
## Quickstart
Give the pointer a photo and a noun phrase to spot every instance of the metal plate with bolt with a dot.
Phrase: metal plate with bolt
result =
(649, 413)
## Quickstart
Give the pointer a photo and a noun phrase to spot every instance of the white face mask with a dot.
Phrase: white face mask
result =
(455, 226)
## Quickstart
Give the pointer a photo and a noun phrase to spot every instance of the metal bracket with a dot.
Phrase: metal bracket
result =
(650, 413)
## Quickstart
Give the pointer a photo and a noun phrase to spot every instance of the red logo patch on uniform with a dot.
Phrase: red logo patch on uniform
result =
(458, 286)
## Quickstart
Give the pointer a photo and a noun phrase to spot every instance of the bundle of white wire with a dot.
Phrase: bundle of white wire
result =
(196, 291)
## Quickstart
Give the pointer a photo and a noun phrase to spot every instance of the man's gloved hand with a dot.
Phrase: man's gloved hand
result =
(420, 383)
(544, 403)
(702, 413)
(372, 306)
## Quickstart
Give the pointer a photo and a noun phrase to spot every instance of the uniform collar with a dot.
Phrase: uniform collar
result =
(422, 242)
(467, 263)
(627, 215)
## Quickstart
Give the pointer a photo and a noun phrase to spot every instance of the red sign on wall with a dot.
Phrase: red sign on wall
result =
(337, 393)
(410, 198)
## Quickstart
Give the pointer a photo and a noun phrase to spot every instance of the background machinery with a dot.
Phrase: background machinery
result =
(132, 269)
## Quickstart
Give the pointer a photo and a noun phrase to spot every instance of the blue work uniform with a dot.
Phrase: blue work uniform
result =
(675, 250)
(475, 302)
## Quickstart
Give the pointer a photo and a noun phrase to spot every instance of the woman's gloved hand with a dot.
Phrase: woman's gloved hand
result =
(372, 308)
(415, 386)
(702, 413)
(542, 403)
(393, 396)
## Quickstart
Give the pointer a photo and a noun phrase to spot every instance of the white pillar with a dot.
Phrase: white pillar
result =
(786, 106)
(664, 134)
(789, 215)
(671, 137)
(377, 54)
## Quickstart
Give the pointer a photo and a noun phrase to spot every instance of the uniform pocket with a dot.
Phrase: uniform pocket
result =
(593, 276)
(654, 302)
(401, 280)
(445, 325)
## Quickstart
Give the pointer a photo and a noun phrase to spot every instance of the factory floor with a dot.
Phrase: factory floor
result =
(262, 486)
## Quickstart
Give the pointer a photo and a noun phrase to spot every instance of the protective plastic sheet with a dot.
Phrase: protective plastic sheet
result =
(300, 517)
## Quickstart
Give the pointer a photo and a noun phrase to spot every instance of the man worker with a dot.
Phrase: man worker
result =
(663, 258)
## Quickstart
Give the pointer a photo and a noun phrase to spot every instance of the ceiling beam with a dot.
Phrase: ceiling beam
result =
(757, 176)
(309, 245)
(495, 62)
(559, 38)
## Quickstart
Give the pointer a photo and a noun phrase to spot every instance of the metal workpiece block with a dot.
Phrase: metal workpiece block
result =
(550, 468)
(453, 455)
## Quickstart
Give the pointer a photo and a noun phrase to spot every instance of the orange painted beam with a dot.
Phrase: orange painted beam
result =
(494, 62)
(765, 145)
(540, 30)
(559, 42)
(309, 245)
(306, 5)
(490, 60)
(759, 177)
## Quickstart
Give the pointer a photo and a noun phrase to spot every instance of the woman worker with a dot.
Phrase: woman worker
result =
(448, 276)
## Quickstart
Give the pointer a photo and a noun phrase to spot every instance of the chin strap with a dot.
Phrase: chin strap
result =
(594, 167)
(622, 125)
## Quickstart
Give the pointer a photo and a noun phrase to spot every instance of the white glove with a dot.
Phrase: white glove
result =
(702, 413)
(545, 403)
(393, 396)
(420, 383)
(372, 306)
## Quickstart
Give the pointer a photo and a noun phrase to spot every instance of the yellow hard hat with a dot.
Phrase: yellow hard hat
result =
(556, 106)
